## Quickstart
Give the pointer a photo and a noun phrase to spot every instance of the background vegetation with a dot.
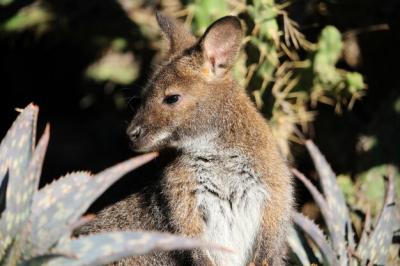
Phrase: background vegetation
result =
(320, 69)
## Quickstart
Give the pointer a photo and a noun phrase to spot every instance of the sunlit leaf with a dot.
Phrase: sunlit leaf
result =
(105, 248)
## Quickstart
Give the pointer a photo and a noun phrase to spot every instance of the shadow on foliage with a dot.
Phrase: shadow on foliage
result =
(47, 68)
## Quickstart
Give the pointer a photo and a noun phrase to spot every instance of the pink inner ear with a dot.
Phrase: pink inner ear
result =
(212, 61)
(221, 44)
(219, 53)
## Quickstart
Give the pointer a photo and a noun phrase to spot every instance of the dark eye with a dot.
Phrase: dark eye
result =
(171, 99)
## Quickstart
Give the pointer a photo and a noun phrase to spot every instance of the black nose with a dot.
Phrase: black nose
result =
(135, 132)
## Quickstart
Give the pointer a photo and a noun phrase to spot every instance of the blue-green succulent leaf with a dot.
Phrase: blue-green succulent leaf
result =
(341, 232)
(23, 195)
(17, 146)
(29, 185)
(375, 248)
(100, 249)
(41, 260)
(317, 196)
(297, 247)
(316, 235)
(15, 153)
(59, 205)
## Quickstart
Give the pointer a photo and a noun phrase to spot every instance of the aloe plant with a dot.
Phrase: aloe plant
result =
(340, 247)
(36, 225)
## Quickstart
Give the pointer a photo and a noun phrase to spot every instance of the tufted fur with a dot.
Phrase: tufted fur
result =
(227, 182)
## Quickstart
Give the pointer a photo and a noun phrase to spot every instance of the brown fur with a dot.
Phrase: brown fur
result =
(210, 101)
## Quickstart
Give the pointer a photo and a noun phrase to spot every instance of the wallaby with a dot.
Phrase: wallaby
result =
(227, 184)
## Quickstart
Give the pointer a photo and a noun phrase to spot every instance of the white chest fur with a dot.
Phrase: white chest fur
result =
(230, 198)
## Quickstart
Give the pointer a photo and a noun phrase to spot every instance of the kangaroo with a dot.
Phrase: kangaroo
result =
(227, 183)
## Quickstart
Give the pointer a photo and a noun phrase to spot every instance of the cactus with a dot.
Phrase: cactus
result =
(329, 80)
(328, 53)
(36, 225)
(283, 70)
(340, 248)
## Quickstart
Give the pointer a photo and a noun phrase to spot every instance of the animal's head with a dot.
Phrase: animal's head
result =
(183, 96)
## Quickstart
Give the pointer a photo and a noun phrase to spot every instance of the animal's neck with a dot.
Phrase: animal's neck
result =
(232, 124)
(204, 143)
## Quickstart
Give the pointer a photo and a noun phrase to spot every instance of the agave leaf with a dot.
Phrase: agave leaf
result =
(7, 255)
(15, 152)
(21, 202)
(23, 195)
(336, 202)
(100, 249)
(42, 260)
(297, 247)
(57, 207)
(366, 229)
(375, 248)
(317, 196)
(317, 237)
(17, 146)
(48, 211)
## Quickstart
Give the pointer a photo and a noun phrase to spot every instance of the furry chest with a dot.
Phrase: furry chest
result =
(230, 199)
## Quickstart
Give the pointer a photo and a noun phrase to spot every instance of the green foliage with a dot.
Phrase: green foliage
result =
(369, 188)
(28, 17)
(5, 2)
(347, 187)
(283, 70)
(355, 82)
(396, 105)
(206, 12)
(116, 67)
(329, 81)
(328, 53)
(341, 248)
(283, 81)
(36, 225)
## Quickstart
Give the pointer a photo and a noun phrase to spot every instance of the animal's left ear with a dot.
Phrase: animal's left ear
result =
(178, 36)
(220, 45)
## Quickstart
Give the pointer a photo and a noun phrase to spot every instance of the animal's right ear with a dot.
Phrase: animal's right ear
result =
(178, 36)
(220, 46)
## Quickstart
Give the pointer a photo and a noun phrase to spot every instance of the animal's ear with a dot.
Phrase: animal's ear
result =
(220, 45)
(178, 36)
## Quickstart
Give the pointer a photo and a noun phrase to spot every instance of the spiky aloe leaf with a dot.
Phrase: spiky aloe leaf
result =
(316, 236)
(50, 200)
(17, 146)
(317, 196)
(58, 206)
(22, 198)
(297, 247)
(100, 249)
(375, 248)
(340, 230)
(15, 153)
(42, 260)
